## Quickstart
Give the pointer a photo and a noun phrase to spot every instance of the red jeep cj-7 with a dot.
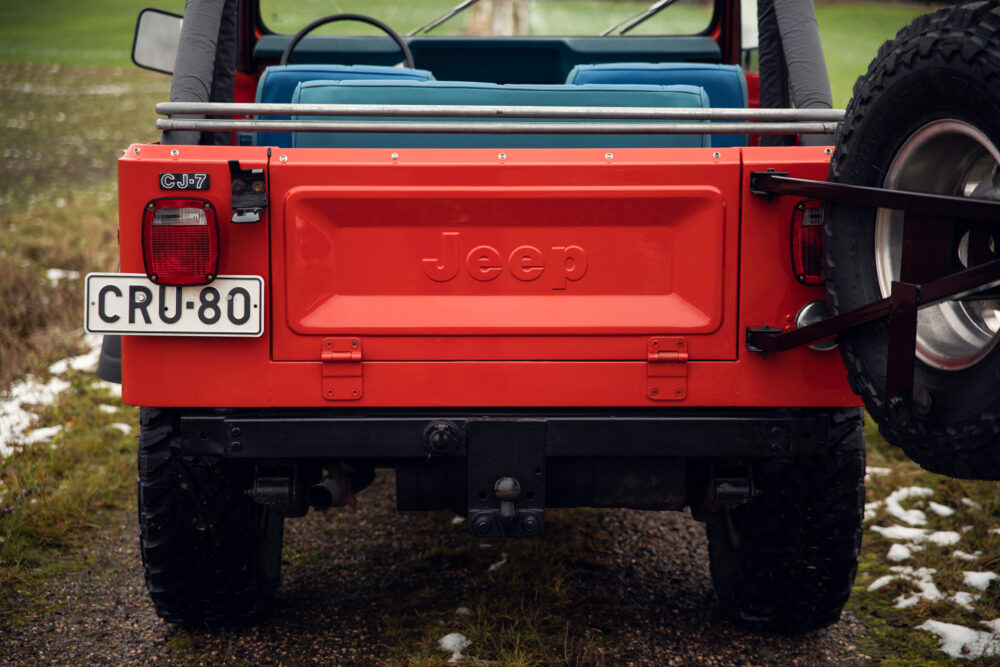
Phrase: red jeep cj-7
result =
(545, 271)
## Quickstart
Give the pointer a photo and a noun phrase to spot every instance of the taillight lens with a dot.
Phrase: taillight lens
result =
(180, 241)
(807, 242)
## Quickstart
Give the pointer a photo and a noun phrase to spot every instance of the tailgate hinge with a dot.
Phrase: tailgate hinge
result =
(666, 368)
(341, 359)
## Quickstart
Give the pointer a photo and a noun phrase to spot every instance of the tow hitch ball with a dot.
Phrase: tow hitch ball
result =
(507, 491)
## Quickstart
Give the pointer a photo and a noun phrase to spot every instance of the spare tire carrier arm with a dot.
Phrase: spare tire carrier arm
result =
(905, 299)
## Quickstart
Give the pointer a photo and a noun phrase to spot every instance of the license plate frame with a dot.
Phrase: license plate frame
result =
(131, 304)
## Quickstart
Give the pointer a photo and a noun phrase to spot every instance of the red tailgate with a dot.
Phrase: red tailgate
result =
(544, 254)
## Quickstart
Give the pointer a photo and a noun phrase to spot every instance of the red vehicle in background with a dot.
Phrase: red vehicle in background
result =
(547, 271)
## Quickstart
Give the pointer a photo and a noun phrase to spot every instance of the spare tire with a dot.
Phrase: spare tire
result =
(926, 117)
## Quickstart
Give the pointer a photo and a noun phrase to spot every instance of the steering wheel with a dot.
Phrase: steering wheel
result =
(407, 56)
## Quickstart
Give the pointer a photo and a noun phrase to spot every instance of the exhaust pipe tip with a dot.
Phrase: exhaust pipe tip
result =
(334, 492)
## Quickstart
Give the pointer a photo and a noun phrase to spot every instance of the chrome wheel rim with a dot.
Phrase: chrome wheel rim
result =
(946, 157)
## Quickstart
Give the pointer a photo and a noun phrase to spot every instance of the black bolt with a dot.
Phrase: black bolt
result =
(237, 432)
(481, 525)
(236, 446)
(530, 524)
(442, 437)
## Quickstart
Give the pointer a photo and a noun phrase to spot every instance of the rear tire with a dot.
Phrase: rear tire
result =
(786, 561)
(211, 555)
(925, 117)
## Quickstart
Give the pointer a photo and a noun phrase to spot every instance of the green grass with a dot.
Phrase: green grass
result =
(889, 635)
(52, 495)
(68, 32)
(851, 34)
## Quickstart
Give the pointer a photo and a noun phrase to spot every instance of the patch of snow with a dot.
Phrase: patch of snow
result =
(15, 418)
(124, 428)
(874, 471)
(113, 388)
(500, 563)
(454, 643)
(961, 555)
(455, 520)
(964, 599)
(969, 502)
(995, 531)
(978, 580)
(898, 552)
(463, 611)
(871, 510)
(941, 538)
(944, 538)
(939, 509)
(111, 409)
(884, 580)
(84, 362)
(901, 533)
(54, 276)
(958, 641)
(921, 578)
(43, 434)
(893, 504)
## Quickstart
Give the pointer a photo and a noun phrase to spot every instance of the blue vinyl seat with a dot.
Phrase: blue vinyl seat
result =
(278, 83)
(726, 85)
(490, 94)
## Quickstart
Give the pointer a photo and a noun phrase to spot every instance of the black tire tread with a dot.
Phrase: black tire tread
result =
(202, 542)
(963, 36)
(799, 539)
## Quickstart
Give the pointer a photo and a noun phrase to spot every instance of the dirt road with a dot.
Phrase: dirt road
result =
(371, 585)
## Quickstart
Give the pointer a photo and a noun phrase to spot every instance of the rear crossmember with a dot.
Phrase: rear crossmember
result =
(468, 460)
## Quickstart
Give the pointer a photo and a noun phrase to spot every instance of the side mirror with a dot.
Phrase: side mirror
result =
(157, 34)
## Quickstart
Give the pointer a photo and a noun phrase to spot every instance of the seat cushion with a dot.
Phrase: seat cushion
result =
(726, 85)
(488, 94)
(278, 83)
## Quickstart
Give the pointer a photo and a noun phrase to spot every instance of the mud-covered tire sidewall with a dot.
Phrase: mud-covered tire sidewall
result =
(940, 67)
(786, 561)
(211, 555)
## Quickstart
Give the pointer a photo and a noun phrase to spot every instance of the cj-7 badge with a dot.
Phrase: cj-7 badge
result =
(526, 263)
(186, 181)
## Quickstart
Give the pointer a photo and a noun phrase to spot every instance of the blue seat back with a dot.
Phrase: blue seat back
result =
(278, 83)
(489, 94)
(725, 84)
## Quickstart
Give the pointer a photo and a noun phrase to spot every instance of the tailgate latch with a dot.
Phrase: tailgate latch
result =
(341, 359)
(249, 193)
(666, 368)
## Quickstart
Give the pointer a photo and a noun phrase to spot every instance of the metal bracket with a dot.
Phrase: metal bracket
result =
(756, 187)
(342, 379)
(666, 368)
(249, 193)
(506, 464)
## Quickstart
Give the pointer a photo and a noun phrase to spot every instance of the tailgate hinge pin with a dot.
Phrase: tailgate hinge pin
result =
(666, 368)
(342, 379)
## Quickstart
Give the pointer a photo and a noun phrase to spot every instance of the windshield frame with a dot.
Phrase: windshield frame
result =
(714, 29)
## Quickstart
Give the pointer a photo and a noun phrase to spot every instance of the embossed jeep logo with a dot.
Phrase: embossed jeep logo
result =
(526, 262)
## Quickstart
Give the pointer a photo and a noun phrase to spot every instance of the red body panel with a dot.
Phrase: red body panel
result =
(536, 280)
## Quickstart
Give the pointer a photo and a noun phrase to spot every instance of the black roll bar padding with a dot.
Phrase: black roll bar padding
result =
(205, 68)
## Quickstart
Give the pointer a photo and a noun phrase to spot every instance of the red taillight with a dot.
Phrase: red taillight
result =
(180, 241)
(807, 242)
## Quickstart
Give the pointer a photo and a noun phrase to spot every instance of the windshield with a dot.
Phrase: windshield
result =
(491, 17)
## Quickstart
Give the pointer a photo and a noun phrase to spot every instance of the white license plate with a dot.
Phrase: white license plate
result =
(130, 303)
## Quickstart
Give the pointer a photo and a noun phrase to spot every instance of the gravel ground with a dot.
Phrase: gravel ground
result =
(333, 601)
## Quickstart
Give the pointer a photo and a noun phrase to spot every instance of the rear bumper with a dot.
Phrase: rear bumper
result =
(397, 435)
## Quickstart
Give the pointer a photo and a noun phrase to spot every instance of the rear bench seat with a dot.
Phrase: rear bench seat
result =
(474, 93)
(726, 85)
(278, 83)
